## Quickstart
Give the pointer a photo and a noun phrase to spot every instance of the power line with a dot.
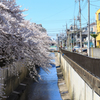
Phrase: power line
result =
(56, 20)
(56, 29)
(84, 5)
(74, 8)
(94, 5)
(84, 23)
(84, 17)
(95, 1)
(53, 31)
(55, 14)
(53, 22)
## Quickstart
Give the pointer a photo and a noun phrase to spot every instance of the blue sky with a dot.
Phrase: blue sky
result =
(54, 14)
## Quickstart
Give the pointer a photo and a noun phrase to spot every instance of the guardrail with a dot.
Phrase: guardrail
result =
(92, 65)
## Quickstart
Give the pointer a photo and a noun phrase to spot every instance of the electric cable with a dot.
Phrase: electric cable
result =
(55, 14)
(95, 1)
(94, 5)
(84, 17)
(85, 4)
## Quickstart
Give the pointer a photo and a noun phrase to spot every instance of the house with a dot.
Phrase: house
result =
(98, 27)
(72, 35)
(85, 35)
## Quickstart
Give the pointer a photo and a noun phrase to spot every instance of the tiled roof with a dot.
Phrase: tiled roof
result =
(93, 23)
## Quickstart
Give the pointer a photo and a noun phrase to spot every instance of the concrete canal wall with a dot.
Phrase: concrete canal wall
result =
(95, 52)
(10, 78)
(81, 84)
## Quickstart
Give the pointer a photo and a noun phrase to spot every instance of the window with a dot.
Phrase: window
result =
(93, 32)
(71, 28)
(91, 29)
(99, 16)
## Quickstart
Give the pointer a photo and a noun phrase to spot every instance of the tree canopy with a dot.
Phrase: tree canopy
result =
(21, 40)
(94, 35)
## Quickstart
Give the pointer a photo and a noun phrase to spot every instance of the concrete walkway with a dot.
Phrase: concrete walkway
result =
(61, 82)
(62, 85)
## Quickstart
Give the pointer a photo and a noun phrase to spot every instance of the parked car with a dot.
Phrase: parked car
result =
(75, 48)
(83, 50)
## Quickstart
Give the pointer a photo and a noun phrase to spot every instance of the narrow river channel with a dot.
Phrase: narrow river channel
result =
(47, 88)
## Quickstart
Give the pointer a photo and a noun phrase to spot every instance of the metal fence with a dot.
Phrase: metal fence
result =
(92, 65)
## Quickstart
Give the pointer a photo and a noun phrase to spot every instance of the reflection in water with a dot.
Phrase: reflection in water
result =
(46, 89)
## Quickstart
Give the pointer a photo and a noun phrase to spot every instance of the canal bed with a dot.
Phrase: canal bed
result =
(46, 89)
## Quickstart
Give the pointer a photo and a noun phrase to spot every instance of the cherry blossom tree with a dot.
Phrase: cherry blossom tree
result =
(21, 40)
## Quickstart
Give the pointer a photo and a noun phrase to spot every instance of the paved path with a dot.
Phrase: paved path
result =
(62, 85)
(61, 82)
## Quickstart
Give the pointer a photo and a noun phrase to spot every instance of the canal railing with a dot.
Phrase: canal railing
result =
(90, 64)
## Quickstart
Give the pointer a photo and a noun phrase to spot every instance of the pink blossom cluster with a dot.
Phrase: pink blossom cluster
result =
(21, 40)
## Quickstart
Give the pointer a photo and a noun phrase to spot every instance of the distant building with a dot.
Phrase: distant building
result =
(73, 36)
(98, 27)
(85, 35)
(72, 27)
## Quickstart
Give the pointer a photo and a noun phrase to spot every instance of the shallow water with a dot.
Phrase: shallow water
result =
(46, 89)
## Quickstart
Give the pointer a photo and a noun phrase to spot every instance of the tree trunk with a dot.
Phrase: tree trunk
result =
(95, 42)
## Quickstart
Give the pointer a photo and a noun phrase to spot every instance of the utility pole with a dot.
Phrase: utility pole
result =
(71, 42)
(57, 43)
(68, 42)
(88, 27)
(66, 34)
(80, 26)
(74, 31)
(66, 29)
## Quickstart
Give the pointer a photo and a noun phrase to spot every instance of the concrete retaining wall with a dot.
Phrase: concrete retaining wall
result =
(10, 78)
(95, 52)
(78, 84)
